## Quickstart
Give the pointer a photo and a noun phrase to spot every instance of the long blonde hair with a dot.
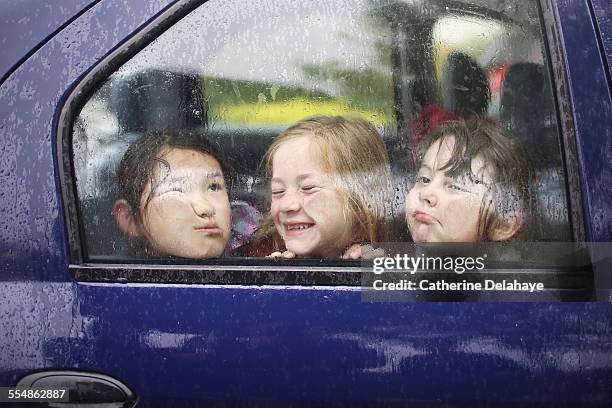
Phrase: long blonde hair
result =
(351, 151)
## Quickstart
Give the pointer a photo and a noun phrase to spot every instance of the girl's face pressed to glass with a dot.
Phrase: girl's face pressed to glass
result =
(188, 213)
(441, 208)
(307, 208)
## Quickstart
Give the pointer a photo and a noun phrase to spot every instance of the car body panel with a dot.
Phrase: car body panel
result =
(288, 343)
(33, 229)
(603, 15)
(592, 109)
(193, 342)
(26, 24)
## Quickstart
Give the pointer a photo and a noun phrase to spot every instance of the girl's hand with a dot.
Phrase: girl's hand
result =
(284, 254)
(353, 252)
(358, 251)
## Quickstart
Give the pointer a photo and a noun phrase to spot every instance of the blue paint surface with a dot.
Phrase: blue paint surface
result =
(32, 228)
(592, 105)
(603, 15)
(24, 24)
(320, 344)
(187, 343)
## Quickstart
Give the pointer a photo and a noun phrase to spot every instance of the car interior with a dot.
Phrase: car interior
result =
(499, 79)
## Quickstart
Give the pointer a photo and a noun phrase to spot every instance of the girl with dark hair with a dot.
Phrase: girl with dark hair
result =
(173, 196)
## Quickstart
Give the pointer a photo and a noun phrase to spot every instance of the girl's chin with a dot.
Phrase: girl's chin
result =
(420, 233)
(298, 250)
(314, 252)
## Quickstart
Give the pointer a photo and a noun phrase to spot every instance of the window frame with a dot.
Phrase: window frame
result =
(262, 271)
(557, 69)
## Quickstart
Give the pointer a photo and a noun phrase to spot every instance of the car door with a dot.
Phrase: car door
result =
(255, 331)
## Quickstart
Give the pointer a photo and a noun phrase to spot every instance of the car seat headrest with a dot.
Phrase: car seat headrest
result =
(465, 86)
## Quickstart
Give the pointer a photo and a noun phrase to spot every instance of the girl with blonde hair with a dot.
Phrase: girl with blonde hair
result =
(330, 188)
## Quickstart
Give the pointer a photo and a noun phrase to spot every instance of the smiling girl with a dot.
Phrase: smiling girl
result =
(329, 180)
(472, 185)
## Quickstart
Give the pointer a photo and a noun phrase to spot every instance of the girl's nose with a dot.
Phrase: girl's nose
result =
(429, 195)
(290, 202)
(202, 206)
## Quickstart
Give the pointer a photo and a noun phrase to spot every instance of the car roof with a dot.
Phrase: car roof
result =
(27, 24)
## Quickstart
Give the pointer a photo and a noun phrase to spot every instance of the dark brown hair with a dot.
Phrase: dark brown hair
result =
(510, 190)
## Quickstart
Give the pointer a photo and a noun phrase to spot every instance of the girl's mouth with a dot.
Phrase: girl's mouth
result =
(211, 229)
(297, 227)
(425, 218)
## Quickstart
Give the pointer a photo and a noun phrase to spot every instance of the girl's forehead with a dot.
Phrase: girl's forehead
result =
(300, 142)
(181, 158)
(440, 153)
(296, 152)
(298, 159)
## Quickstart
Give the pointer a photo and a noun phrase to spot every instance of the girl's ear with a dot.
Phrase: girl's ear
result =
(125, 219)
(505, 229)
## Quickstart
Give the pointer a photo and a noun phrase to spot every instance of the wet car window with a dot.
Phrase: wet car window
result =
(238, 73)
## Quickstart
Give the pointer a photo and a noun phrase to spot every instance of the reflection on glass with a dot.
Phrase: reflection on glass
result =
(242, 72)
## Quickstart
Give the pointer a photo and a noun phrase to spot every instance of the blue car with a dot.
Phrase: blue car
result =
(85, 308)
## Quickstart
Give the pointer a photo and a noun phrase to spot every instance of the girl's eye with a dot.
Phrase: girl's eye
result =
(277, 192)
(457, 187)
(172, 189)
(423, 180)
(215, 187)
(308, 189)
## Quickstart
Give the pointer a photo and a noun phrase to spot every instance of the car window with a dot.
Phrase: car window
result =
(237, 74)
